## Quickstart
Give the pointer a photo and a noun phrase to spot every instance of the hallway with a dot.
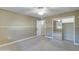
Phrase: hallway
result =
(41, 44)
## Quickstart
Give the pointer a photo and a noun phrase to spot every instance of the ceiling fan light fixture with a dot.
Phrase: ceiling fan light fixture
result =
(41, 11)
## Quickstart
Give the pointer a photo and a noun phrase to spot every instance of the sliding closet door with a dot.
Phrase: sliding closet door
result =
(68, 28)
(68, 31)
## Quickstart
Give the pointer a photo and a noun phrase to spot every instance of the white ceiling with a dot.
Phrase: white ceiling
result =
(31, 11)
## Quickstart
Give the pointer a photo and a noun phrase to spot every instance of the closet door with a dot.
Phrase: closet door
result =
(68, 28)
(77, 30)
(68, 31)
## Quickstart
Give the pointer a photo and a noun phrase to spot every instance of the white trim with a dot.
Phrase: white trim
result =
(48, 37)
(52, 28)
(2, 45)
(69, 40)
(76, 44)
(74, 30)
(45, 28)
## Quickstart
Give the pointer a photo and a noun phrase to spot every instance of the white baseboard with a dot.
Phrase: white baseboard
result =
(48, 37)
(69, 40)
(2, 45)
(76, 44)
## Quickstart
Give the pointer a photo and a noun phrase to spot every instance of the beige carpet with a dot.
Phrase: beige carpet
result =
(41, 44)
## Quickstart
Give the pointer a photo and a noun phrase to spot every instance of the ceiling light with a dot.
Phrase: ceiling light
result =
(40, 13)
(59, 20)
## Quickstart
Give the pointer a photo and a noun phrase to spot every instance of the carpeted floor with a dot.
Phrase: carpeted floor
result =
(41, 44)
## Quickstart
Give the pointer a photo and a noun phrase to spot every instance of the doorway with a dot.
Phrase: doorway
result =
(40, 27)
(57, 29)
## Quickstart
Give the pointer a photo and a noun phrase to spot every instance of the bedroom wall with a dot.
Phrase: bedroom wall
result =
(48, 23)
(14, 26)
